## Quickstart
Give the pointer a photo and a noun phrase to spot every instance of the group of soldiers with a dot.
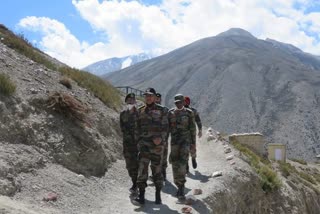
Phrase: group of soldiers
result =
(146, 132)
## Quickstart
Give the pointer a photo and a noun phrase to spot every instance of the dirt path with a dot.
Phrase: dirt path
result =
(110, 194)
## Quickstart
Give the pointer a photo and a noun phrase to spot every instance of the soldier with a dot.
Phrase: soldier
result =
(152, 126)
(128, 119)
(165, 150)
(193, 148)
(183, 134)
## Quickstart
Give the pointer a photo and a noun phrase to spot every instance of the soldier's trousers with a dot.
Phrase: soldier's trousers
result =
(179, 158)
(130, 154)
(165, 156)
(193, 150)
(150, 153)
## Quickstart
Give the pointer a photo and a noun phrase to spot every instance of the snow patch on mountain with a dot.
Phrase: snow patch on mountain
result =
(126, 63)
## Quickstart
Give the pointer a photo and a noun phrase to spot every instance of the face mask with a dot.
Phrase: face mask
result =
(130, 106)
(180, 108)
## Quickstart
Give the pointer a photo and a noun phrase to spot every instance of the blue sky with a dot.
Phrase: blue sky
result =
(61, 10)
(80, 32)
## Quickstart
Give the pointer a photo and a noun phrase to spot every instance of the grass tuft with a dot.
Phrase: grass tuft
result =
(303, 162)
(66, 82)
(7, 87)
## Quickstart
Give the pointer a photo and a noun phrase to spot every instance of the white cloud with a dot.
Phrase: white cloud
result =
(178, 22)
(58, 42)
(133, 27)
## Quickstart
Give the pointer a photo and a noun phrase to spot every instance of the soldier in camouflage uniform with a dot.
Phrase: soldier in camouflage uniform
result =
(183, 134)
(165, 151)
(152, 126)
(128, 119)
(193, 148)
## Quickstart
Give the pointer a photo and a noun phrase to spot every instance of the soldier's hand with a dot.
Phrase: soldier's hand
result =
(157, 140)
(200, 134)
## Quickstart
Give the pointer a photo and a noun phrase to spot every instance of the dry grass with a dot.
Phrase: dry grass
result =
(69, 106)
(23, 46)
(100, 88)
(66, 82)
(287, 169)
(7, 87)
(303, 162)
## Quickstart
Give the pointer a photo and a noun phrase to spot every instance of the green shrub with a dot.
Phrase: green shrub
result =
(268, 177)
(7, 87)
(286, 169)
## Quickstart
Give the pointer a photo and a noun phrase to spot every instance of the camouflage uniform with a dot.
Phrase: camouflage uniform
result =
(152, 123)
(193, 148)
(165, 150)
(183, 134)
(130, 147)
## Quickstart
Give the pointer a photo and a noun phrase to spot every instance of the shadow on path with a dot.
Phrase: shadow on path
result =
(198, 176)
(201, 207)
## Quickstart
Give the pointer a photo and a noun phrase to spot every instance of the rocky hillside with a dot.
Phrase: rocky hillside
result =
(46, 118)
(241, 84)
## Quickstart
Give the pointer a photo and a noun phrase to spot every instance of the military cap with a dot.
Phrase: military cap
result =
(150, 91)
(178, 98)
(158, 95)
(130, 95)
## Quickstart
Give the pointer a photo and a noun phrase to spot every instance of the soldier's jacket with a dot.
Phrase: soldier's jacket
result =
(197, 118)
(152, 123)
(127, 124)
(166, 109)
(182, 125)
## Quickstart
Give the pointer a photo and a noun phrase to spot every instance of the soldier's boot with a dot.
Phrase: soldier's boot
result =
(158, 196)
(140, 199)
(133, 189)
(194, 163)
(181, 195)
(187, 168)
(178, 193)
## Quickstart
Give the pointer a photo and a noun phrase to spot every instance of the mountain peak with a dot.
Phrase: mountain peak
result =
(236, 32)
